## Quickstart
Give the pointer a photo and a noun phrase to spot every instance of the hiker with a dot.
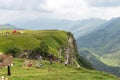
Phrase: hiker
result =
(50, 58)
(6, 34)
(38, 65)
(30, 64)
(66, 62)
(39, 57)
(9, 71)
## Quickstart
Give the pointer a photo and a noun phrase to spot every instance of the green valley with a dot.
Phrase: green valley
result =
(105, 43)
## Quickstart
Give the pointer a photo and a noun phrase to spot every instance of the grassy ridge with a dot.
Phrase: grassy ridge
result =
(53, 72)
(30, 39)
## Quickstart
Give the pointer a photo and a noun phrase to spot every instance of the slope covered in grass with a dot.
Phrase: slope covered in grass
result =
(30, 39)
(56, 71)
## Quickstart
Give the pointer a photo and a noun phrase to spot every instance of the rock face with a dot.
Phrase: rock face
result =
(70, 51)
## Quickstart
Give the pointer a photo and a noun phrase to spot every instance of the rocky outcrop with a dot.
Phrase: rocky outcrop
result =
(70, 51)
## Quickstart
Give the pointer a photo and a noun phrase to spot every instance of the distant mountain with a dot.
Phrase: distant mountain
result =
(104, 42)
(86, 26)
(44, 23)
(78, 28)
(8, 27)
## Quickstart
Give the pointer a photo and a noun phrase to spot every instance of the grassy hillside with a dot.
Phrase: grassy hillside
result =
(53, 72)
(30, 39)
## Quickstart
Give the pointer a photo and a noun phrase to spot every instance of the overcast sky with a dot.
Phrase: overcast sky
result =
(16, 10)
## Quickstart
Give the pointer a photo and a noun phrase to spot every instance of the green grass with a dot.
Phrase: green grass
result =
(31, 39)
(112, 59)
(56, 71)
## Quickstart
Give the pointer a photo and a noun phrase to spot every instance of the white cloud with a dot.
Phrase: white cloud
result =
(13, 10)
(104, 3)
(21, 4)
(79, 9)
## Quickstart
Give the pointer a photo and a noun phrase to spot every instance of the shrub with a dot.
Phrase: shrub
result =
(14, 51)
(37, 50)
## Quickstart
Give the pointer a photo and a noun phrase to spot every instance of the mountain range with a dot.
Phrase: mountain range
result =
(8, 27)
(78, 28)
(104, 42)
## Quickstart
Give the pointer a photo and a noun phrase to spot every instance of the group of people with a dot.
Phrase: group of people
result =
(15, 32)
(29, 63)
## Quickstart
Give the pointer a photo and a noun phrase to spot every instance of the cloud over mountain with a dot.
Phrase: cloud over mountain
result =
(12, 10)
(104, 3)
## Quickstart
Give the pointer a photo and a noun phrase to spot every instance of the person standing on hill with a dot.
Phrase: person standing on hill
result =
(50, 58)
(66, 62)
(6, 34)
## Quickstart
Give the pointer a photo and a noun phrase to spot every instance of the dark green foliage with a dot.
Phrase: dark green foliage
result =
(84, 63)
(14, 51)
(38, 51)
(44, 48)
(69, 34)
